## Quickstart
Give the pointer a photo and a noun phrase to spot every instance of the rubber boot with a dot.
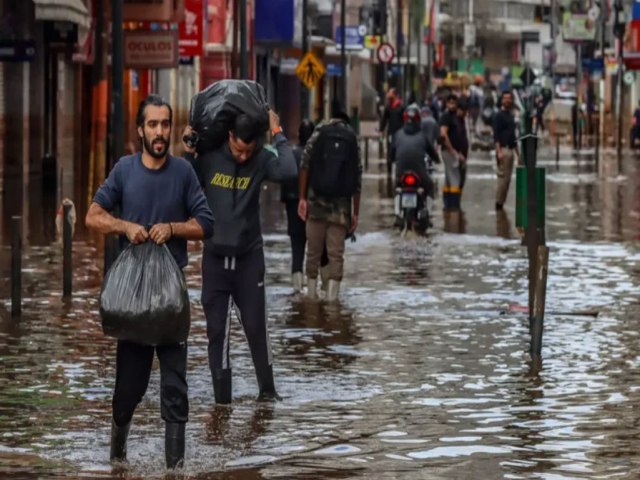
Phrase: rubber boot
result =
(222, 385)
(312, 287)
(296, 281)
(119, 436)
(333, 291)
(324, 277)
(174, 445)
(266, 384)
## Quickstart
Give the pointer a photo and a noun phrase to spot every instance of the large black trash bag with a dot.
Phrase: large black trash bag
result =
(144, 297)
(214, 109)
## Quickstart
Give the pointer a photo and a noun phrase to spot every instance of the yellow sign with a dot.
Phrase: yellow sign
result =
(372, 41)
(310, 70)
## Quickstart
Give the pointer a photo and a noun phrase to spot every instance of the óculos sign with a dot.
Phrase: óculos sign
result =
(144, 49)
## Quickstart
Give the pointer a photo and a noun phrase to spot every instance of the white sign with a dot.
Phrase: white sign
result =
(386, 53)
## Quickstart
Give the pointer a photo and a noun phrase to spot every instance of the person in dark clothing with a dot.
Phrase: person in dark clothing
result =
(233, 267)
(635, 128)
(504, 137)
(289, 195)
(464, 139)
(152, 188)
(453, 145)
(409, 148)
(391, 120)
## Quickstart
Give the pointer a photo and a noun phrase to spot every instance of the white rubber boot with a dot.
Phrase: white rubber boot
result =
(296, 282)
(333, 291)
(312, 287)
(324, 274)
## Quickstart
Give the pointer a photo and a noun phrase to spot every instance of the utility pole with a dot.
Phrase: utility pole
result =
(244, 62)
(618, 30)
(343, 55)
(117, 79)
(603, 79)
(304, 93)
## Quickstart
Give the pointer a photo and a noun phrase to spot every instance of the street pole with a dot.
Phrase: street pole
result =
(343, 55)
(383, 21)
(619, 103)
(117, 71)
(579, 89)
(117, 113)
(603, 81)
(304, 93)
(553, 53)
(407, 68)
(244, 61)
(398, 45)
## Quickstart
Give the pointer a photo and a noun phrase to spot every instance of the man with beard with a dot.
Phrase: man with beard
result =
(233, 269)
(452, 137)
(504, 136)
(152, 188)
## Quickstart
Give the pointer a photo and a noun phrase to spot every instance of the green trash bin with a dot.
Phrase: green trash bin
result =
(522, 214)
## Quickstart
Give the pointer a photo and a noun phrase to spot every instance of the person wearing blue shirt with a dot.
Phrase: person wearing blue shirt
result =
(160, 200)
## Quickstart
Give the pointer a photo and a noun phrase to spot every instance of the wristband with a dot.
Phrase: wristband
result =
(276, 131)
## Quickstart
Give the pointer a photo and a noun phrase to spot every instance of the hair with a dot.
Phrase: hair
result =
(305, 130)
(244, 128)
(342, 115)
(155, 100)
(507, 92)
(452, 96)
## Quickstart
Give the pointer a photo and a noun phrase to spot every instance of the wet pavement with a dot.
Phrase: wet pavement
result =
(421, 372)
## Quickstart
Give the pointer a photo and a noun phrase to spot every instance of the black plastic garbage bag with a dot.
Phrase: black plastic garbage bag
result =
(214, 109)
(144, 297)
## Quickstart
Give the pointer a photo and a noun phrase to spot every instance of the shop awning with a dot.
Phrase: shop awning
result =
(74, 11)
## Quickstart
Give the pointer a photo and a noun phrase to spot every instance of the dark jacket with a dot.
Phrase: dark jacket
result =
(289, 191)
(233, 192)
(408, 150)
(392, 118)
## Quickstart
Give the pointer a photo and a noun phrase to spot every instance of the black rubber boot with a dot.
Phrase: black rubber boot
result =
(174, 445)
(222, 385)
(119, 437)
(266, 385)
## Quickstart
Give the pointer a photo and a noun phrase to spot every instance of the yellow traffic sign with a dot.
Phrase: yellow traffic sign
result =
(310, 70)
(372, 41)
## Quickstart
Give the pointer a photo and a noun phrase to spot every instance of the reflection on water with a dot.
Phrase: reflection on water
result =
(416, 374)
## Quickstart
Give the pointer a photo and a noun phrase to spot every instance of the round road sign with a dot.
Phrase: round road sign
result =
(629, 77)
(385, 53)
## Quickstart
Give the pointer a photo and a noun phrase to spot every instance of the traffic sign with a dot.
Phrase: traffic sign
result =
(372, 41)
(310, 70)
(385, 53)
(629, 78)
(354, 38)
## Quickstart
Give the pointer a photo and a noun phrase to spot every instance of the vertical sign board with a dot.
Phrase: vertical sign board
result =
(274, 21)
(192, 29)
(144, 49)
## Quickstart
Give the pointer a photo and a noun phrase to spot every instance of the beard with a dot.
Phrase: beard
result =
(150, 147)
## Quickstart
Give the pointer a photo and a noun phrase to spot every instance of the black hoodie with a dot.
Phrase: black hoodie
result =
(233, 192)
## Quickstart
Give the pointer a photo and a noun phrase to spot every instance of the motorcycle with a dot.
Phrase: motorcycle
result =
(412, 204)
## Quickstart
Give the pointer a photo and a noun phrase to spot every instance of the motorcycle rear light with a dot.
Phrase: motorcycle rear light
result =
(409, 180)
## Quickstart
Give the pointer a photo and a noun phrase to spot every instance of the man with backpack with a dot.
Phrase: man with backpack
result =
(330, 182)
(233, 269)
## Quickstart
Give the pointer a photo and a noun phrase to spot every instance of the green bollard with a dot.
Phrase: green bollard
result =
(522, 216)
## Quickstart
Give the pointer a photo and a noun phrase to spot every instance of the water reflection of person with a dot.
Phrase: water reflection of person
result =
(329, 325)
(455, 221)
(220, 429)
(503, 224)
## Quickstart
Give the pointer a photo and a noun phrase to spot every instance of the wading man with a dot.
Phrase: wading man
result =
(152, 188)
(233, 268)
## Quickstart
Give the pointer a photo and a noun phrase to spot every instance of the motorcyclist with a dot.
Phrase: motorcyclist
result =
(409, 148)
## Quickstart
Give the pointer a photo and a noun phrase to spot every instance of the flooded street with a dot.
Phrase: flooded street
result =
(421, 372)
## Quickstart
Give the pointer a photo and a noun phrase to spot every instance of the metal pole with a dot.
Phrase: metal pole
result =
(66, 251)
(407, 68)
(603, 83)
(398, 45)
(343, 55)
(620, 104)
(529, 147)
(16, 266)
(304, 93)
(554, 34)
(579, 91)
(540, 300)
(117, 71)
(383, 21)
(244, 61)
(117, 111)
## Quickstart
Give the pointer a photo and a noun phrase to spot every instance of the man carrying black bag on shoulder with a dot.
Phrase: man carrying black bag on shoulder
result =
(157, 189)
(233, 268)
